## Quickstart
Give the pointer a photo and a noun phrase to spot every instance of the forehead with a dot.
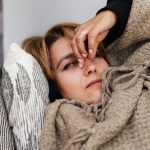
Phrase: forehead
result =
(60, 48)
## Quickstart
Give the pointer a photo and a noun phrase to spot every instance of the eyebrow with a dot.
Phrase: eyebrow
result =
(70, 55)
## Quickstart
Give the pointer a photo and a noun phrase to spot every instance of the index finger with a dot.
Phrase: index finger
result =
(80, 38)
(75, 49)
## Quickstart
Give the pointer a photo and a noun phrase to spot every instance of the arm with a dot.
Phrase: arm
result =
(110, 18)
(122, 10)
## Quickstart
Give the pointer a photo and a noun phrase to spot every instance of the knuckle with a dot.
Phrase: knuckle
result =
(76, 29)
(78, 38)
(91, 35)
(72, 43)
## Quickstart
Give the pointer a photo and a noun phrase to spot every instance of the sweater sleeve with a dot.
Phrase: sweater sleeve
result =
(122, 9)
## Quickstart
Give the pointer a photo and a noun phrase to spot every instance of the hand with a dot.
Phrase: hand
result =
(94, 30)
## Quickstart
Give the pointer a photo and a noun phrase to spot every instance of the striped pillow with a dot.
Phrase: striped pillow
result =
(25, 93)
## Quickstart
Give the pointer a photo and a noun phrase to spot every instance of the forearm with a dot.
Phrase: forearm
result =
(122, 10)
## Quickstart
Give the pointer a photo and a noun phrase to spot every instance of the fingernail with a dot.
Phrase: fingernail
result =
(90, 51)
(80, 60)
(84, 55)
(80, 65)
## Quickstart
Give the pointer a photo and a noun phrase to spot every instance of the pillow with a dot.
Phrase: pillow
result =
(6, 137)
(25, 93)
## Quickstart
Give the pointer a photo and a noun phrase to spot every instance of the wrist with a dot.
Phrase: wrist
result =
(109, 16)
(112, 16)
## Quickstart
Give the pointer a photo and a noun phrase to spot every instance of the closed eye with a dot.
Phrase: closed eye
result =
(71, 65)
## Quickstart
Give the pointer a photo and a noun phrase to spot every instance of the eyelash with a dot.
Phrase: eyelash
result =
(75, 63)
(67, 66)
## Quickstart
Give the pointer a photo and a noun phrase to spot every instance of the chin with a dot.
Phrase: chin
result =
(94, 101)
(96, 98)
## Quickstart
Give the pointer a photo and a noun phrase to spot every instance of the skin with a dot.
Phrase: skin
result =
(94, 31)
(73, 80)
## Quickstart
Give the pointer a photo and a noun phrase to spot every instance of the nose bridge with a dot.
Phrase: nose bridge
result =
(89, 67)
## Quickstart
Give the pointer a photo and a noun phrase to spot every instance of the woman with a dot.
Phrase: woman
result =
(116, 118)
(73, 82)
(111, 18)
(124, 6)
(55, 54)
(83, 83)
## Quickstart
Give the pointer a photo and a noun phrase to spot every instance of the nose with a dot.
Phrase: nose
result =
(89, 67)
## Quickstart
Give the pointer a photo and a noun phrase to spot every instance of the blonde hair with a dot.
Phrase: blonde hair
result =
(40, 47)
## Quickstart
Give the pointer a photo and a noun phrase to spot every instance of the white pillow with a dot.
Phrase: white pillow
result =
(25, 93)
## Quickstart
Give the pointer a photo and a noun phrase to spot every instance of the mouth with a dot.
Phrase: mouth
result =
(93, 83)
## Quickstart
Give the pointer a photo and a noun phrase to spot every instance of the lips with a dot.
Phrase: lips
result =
(93, 82)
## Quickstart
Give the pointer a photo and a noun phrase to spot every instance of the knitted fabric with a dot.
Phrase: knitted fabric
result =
(121, 120)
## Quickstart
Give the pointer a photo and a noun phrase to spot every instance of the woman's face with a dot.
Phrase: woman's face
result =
(85, 83)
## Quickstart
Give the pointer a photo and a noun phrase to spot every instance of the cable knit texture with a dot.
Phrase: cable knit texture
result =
(121, 121)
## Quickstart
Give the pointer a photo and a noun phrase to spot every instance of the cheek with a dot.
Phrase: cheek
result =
(102, 66)
(68, 82)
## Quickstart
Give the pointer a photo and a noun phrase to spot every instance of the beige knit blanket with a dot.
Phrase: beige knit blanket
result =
(121, 121)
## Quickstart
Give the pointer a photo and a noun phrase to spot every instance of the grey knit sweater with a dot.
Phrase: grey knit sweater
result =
(121, 121)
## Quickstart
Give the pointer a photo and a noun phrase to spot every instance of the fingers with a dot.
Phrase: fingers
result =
(80, 42)
(94, 42)
(76, 29)
(95, 33)
(94, 38)
(75, 49)
(77, 53)
(80, 37)
(89, 31)
(94, 30)
(79, 47)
